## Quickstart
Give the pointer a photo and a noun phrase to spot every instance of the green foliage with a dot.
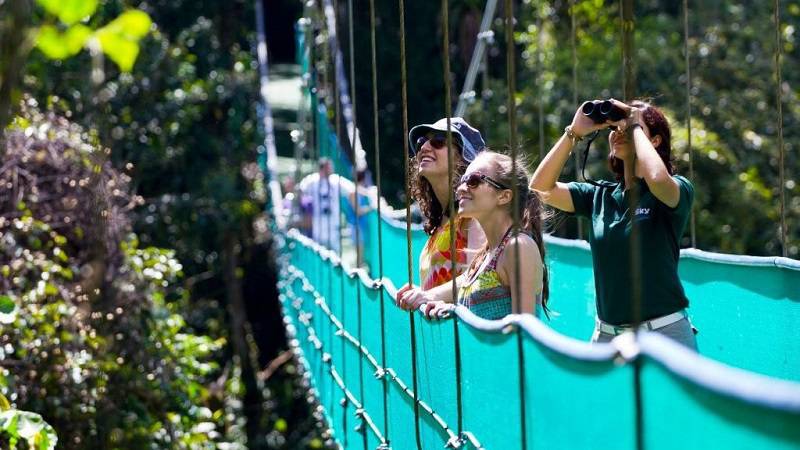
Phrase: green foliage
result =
(23, 425)
(58, 45)
(734, 145)
(120, 370)
(69, 11)
(119, 39)
(8, 308)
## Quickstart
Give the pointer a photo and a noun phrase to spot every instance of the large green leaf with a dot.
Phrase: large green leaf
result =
(69, 11)
(120, 38)
(8, 309)
(57, 45)
(29, 426)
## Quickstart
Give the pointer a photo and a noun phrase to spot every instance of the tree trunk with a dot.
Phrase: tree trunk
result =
(15, 44)
(253, 401)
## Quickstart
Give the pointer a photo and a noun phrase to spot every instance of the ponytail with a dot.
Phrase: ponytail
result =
(532, 223)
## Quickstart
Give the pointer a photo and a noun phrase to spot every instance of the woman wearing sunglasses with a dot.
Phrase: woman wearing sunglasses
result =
(431, 188)
(508, 273)
(640, 160)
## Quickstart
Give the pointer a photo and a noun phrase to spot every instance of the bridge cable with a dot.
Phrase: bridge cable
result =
(512, 129)
(330, 76)
(411, 319)
(339, 153)
(628, 24)
(539, 78)
(377, 149)
(572, 40)
(692, 215)
(354, 141)
(451, 203)
(781, 147)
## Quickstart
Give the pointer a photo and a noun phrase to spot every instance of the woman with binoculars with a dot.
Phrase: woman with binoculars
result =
(647, 202)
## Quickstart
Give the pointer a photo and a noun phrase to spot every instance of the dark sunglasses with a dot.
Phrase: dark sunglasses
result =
(474, 180)
(437, 141)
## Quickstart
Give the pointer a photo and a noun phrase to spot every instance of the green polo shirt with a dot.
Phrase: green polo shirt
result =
(659, 228)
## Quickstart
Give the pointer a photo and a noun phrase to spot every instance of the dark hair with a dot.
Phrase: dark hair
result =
(529, 204)
(323, 161)
(422, 191)
(658, 125)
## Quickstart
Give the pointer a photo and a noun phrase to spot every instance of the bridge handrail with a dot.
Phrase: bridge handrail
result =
(715, 376)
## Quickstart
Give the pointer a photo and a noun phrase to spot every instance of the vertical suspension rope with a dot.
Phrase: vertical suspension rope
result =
(411, 319)
(485, 93)
(451, 202)
(692, 214)
(450, 150)
(627, 21)
(781, 148)
(404, 102)
(330, 64)
(354, 139)
(628, 26)
(573, 44)
(540, 67)
(339, 153)
(628, 75)
(512, 132)
(377, 147)
(327, 81)
(334, 49)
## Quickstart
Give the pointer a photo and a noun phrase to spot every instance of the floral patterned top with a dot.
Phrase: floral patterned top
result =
(435, 260)
(483, 293)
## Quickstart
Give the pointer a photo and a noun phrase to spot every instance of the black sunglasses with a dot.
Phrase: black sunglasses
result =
(474, 180)
(437, 141)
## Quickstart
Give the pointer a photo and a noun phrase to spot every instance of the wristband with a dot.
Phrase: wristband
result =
(572, 135)
(629, 129)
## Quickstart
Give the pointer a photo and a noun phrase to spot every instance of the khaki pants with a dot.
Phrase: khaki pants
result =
(681, 332)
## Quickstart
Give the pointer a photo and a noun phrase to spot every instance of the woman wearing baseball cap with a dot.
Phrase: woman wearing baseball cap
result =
(432, 189)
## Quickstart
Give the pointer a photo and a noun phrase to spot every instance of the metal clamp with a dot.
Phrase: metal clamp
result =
(467, 436)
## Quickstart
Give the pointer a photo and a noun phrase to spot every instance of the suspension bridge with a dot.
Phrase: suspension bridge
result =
(384, 378)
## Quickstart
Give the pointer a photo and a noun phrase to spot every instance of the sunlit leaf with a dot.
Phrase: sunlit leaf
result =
(39, 434)
(57, 45)
(120, 38)
(8, 309)
(4, 403)
(69, 11)
(50, 289)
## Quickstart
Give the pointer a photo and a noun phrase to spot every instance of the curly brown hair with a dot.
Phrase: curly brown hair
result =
(422, 191)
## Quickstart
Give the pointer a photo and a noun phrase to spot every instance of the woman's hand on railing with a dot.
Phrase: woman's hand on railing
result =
(437, 310)
(410, 297)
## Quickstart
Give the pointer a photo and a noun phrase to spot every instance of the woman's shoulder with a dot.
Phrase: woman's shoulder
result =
(522, 243)
(521, 240)
(683, 182)
(524, 247)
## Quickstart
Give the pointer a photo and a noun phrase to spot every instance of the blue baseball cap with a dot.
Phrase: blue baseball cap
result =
(469, 138)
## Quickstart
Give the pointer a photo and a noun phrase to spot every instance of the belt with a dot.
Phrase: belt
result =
(652, 324)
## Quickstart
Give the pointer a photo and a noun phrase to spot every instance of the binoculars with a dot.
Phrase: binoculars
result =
(601, 110)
